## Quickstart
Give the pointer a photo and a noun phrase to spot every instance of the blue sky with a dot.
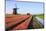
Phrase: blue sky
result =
(24, 7)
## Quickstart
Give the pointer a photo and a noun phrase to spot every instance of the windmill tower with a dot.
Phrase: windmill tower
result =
(14, 10)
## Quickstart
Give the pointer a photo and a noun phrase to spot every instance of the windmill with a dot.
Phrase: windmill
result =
(15, 9)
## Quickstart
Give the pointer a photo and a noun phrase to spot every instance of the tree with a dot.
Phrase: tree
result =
(28, 13)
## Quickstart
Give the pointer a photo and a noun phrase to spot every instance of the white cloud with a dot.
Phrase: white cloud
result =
(31, 0)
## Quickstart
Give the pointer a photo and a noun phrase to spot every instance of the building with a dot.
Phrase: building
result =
(14, 10)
